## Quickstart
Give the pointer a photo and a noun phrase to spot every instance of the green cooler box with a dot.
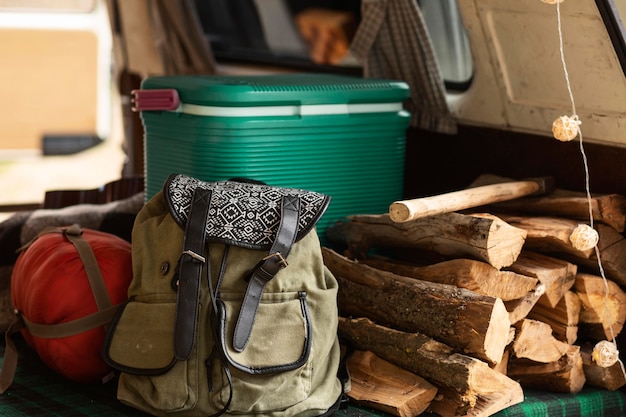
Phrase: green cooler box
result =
(338, 135)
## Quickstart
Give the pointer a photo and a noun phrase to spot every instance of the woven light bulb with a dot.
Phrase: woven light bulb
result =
(565, 128)
(605, 354)
(584, 237)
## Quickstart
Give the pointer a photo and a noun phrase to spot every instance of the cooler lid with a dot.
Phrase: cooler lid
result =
(275, 90)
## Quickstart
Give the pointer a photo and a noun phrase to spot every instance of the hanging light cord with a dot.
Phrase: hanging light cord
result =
(587, 186)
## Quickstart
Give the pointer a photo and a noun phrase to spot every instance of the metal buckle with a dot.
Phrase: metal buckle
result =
(282, 261)
(194, 255)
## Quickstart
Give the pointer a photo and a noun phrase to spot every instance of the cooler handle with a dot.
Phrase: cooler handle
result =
(152, 100)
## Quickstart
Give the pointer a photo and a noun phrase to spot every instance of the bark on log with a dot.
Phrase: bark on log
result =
(563, 318)
(609, 209)
(611, 378)
(564, 375)
(556, 274)
(381, 385)
(534, 341)
(481, 237)
(470, 274)
(603, 306)
(474, 324)
(467, 382)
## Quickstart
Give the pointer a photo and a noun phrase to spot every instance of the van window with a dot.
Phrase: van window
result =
(285, 33)
(613, 13)
(449, 41)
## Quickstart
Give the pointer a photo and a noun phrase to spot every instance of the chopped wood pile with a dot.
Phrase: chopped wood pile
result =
(480, 303)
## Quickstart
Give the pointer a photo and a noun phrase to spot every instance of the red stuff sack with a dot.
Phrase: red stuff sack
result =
(66, 287)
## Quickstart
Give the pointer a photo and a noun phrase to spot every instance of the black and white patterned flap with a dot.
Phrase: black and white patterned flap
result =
(242, 213)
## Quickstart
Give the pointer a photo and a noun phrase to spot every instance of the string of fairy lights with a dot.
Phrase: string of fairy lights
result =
(584, 236)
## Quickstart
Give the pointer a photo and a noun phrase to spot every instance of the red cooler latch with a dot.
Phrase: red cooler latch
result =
(151, 100)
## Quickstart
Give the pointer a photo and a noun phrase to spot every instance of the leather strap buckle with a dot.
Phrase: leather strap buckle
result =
(194, 255)
(281, 261)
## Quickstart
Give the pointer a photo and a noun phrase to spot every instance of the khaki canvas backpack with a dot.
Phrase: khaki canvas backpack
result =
(231, 309)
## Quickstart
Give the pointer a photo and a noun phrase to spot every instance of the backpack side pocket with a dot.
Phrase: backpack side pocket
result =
(140, 345)
(139, 340)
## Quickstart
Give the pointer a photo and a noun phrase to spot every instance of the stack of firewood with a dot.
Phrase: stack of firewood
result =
(477, 305)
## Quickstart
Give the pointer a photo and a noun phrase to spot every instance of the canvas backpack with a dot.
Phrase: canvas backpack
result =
(231, 309)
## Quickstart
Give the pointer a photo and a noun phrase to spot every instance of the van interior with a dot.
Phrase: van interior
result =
(515, 90)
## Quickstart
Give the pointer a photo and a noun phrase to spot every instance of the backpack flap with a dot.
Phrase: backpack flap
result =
(243, 214)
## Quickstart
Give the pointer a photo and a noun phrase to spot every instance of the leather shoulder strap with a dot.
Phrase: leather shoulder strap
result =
(267, 269)
(190, 266)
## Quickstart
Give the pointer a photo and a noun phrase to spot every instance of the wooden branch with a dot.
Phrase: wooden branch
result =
(481, 237)
(603, 306)
(563, 318)
(563, 375)
(534, 341)
(609, 209)
(472, 275)
(466, 381)
(611, 378)
(556, 274)
(475, 324)
(381, 385)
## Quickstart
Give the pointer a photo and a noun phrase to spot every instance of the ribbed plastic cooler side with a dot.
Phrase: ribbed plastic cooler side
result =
(366, 189)
(358, 159)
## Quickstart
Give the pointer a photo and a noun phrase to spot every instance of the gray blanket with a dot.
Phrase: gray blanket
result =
(116, 218)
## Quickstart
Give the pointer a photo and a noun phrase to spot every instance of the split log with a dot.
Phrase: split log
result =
(609, 209)
(534, 341)
(547, 235)
(556, 274)
(465, 382)
(504, 363)
(610, 378)
(520, 308)
(475, 324)
(381, 385)
(564, 375)
(603, 306)
(563, 318)
(470, 274)
(449, 404)
(612, 248)
(550, 235)
(485, 237)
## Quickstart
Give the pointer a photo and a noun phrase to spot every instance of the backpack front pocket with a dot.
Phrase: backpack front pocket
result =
(273, 360)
